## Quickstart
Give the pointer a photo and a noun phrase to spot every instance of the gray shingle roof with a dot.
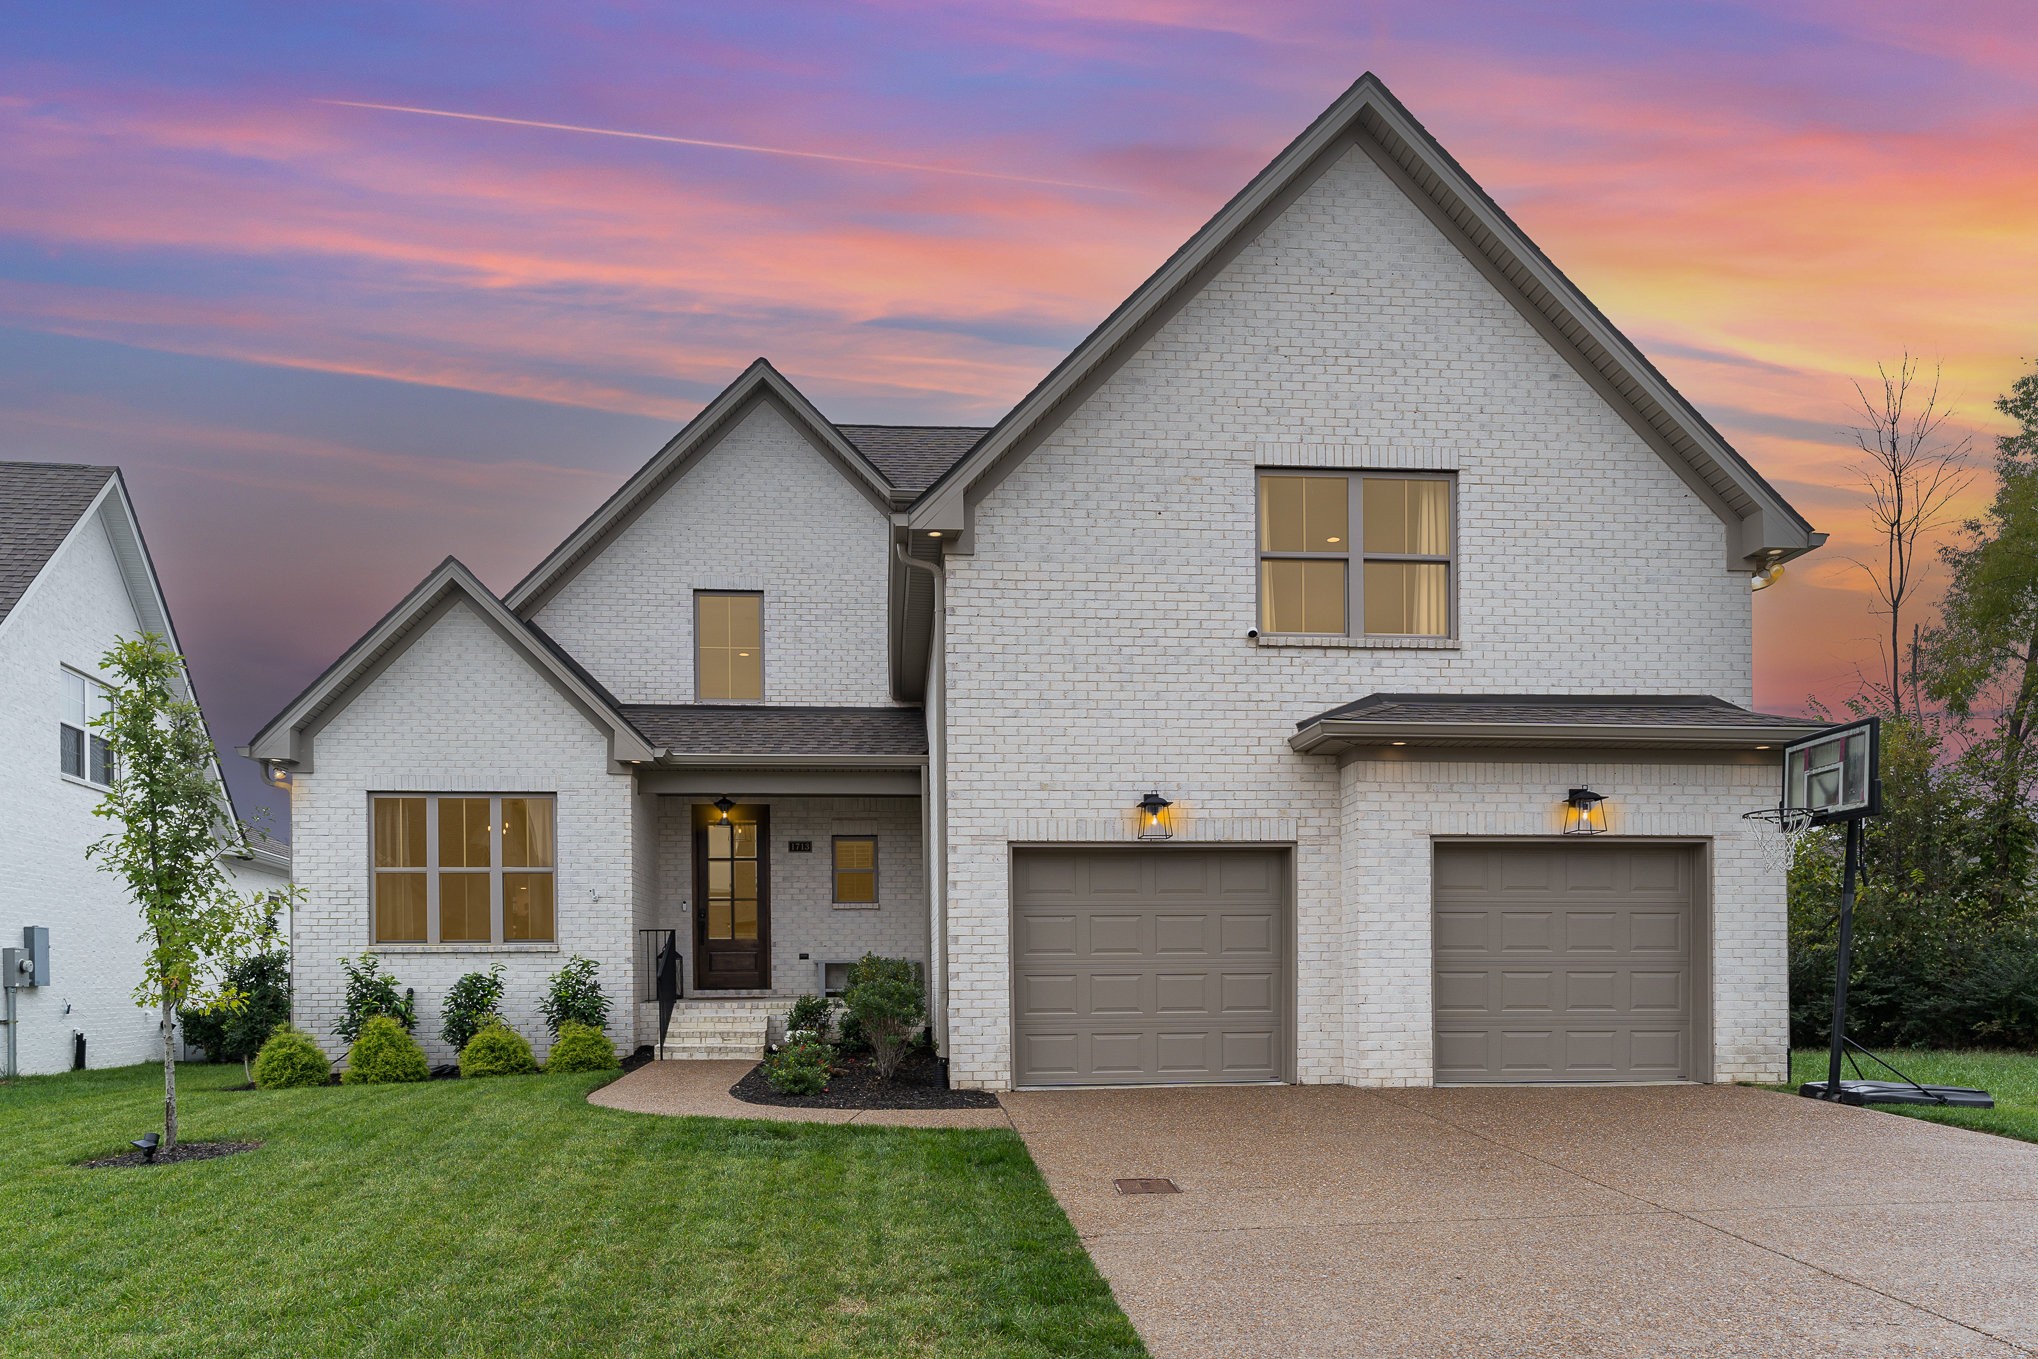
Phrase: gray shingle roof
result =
(912, 457)
(717, 729)
(39, 504)
(1664, 710)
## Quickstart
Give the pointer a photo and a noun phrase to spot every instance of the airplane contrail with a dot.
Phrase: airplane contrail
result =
(719, 146)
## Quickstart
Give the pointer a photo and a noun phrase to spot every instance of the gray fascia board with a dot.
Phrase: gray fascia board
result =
(732, 760)
(757, 382)
(1334, 736)
(1780, 531)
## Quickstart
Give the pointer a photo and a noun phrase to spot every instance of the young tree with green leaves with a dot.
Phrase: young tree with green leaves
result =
(1984, 653)
(172, 820)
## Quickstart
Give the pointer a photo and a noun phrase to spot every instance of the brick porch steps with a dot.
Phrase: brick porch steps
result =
(720, 1029)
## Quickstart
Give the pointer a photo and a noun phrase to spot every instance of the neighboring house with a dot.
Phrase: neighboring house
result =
(75, 577)
(1356, 533)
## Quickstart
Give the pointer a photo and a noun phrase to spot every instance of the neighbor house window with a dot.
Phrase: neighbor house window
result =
(728, 646)
(1394, 580)
(462, 870)
(856, 870)
(83, 752)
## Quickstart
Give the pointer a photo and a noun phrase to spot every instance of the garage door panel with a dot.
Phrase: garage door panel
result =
(1552, 964)
(1174, 969)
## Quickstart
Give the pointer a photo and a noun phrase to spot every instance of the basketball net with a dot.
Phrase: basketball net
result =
(1779, 851)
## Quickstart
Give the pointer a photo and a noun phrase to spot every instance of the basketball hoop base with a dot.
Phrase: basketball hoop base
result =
(1859, 1093)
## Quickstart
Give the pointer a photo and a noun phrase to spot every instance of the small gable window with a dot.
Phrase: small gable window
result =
(1356, 554)
(83, 752)
(728, 646)
(856, 870)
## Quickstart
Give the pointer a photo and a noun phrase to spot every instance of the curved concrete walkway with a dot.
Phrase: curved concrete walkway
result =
(701, 1090)
(1575, 1222)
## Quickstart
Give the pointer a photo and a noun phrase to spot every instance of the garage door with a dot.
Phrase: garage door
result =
(1566, 962)
(1144, 967)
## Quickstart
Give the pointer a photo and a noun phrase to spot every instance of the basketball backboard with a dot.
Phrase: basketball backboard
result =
(1835, 775)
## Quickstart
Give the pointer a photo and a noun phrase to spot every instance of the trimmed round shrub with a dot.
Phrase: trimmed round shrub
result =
(497, 1050)
(799, 1066)
(384, 1054)
(290, 1059)
(581, 1047)
(810, 1014)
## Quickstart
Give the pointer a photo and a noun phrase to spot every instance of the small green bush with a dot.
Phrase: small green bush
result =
(574, 996)
(581, 1047)
(384, 1054)
(291, 1058)
(799, 1067)
(371, 992)
(262, 983)
(889, 1004)
(498, 1050)
(474, 1002)
(810, 1014)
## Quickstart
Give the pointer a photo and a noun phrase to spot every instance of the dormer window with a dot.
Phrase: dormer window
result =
(728, 646)
(1401, 562)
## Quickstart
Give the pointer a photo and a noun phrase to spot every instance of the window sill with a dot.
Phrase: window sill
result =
(464, 948)
(1339, 642)
(85, 783)
(853, 905)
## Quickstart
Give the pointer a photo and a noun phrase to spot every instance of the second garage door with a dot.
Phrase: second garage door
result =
(1143, 966)
(1567, 962)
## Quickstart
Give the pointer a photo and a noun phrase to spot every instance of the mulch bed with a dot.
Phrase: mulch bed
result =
(183, 1151)
(643, 1056)
(915, 1085)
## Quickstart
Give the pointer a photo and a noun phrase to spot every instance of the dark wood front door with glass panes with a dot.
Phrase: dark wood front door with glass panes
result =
(732, 899)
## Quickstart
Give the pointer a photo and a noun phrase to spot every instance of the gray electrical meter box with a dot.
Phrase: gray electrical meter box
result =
(35, 952)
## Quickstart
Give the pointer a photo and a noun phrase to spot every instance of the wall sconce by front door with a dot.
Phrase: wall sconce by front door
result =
(1156, 818)
(1584, 812)
(724, 805)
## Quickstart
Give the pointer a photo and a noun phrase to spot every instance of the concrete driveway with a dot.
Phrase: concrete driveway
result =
(1646, 1221)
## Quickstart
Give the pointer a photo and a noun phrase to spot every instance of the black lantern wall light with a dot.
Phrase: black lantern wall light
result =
(1584, 812)
(1156, 817)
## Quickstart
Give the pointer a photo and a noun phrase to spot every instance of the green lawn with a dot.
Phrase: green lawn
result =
(2012, 1077)
(510, 1217)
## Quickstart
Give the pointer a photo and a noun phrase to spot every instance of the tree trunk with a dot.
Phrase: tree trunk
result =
(168, 1025)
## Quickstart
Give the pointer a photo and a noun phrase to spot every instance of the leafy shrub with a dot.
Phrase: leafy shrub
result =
(581, 1047)
(371, 992)
(291, 1058)
(574, 996)
(889, 1004)
(474, 1001)
(498, 1050)
(384, 1054)
(849, 1038)
(799, 1067)
(262, 981)
(810, 1014)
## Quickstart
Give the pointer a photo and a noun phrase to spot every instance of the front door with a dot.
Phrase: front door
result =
(732, 899)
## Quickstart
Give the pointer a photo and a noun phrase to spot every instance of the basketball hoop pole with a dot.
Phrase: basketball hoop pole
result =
(1844, 959)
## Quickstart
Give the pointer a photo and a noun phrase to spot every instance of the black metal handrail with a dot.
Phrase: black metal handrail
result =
(662, 947)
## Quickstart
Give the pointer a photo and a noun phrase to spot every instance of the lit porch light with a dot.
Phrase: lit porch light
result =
(724, 805)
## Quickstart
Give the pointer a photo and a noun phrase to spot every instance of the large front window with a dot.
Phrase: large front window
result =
(1401, 562)
(463, 869)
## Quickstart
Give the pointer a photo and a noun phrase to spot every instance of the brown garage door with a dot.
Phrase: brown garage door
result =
(1149, 967)
(1566, 962)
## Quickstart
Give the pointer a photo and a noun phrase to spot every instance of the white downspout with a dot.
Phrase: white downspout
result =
(934, 799)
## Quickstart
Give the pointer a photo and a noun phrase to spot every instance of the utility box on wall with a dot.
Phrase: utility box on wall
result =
(35, 942)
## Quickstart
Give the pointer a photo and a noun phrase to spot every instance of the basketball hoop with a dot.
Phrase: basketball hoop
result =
(1792, 823)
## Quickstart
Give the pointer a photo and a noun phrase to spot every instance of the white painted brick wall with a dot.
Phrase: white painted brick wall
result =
(763, 510)
(71, 616)
(1096, 640)
(461, 712)
(804, 918)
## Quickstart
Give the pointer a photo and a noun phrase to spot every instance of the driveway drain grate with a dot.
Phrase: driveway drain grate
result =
(1146, 1186)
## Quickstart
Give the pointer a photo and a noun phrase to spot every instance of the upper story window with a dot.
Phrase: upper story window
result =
(462, 870)
(856, 870)
(1396, 580)
(83, 752)
(728, 646)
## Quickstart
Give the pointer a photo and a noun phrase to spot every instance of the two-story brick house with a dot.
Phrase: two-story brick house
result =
(1356, 535)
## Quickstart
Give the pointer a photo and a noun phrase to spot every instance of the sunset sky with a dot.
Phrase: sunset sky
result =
(332, 343)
